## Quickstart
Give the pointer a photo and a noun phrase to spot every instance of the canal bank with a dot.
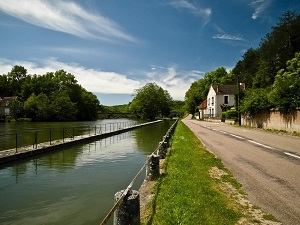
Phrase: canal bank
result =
(10, 155)
(196, 188)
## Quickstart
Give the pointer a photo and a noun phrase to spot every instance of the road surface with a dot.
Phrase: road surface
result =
(266, 164)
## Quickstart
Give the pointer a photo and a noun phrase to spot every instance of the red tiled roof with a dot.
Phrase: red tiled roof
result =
(203, 105)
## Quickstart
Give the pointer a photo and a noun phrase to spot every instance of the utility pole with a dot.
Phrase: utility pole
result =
(238, 101)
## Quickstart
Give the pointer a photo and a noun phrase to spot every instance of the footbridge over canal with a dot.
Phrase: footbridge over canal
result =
(69, 137)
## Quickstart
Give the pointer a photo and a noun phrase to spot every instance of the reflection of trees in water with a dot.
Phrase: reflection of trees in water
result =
(65, 159)
(105, 142)
(148, 137)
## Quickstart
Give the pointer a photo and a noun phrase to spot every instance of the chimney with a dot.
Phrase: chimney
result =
(218, 87)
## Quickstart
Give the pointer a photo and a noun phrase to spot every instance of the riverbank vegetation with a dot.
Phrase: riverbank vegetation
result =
(126, 110)
(196, 188)
(269, 72)
(54, 96)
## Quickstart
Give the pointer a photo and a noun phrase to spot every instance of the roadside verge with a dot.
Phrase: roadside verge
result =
(195, 188)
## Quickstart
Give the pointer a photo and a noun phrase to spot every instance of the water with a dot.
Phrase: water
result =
(75, 185)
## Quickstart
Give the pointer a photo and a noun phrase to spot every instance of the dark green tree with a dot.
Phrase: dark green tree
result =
(151, 101)
(16, 77)
(195, 95)
(255, 102)
(277, 48)
(247, 67)
(285, 90)
(5, 89)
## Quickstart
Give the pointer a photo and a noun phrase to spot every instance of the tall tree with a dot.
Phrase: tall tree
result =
(285, 90)
(15, 78)
(277, 47)
(247, 67)
(151, 101)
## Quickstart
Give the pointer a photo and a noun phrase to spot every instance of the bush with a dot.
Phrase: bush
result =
(230, 114)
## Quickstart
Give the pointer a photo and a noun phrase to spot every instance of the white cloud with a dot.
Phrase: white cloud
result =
(205, 13)
(92, 80)
(228, 37)
(259, 7)
(65, 16)
(108, 82)
(175, 82)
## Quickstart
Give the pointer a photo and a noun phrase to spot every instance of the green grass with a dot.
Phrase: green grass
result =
(186, 194)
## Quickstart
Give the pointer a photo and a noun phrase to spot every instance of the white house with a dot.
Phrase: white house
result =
(218, 95)
(4, 105)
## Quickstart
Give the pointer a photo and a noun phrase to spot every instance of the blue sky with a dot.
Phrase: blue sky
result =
(116, 46)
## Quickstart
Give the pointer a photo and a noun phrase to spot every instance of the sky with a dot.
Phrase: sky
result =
(114, 47)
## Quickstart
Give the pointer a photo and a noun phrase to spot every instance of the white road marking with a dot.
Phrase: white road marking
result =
(233, 135)
(290, 154)
(257, 143)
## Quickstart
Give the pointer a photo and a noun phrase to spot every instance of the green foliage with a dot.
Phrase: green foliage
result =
(270, 68)
(53, 96)
(195, 95)
(151, 101)
(277, 48)
(248, 67)
(255, 101)
(15, 108)
(178, 106)
(115, 109)
(231, 114)
(225, 107)
(285, 94)
(198, 91)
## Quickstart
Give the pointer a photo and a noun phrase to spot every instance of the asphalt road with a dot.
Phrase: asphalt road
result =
(266, 164)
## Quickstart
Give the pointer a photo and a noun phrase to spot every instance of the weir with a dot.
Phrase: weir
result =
(29, 151)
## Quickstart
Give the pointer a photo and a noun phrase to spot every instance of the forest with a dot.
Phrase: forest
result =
(270, 72)
(54, 96)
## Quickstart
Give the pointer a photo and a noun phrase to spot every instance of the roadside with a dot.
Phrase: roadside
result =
(195, 188)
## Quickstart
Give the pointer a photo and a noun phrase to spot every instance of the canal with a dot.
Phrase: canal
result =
(75, 185)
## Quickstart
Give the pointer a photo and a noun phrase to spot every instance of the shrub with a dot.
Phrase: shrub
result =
(230, 114)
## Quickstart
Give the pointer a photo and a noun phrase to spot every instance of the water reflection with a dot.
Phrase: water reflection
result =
(76, 185)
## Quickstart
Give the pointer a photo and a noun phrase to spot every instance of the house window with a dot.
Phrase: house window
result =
(226, 99)
(212, 101)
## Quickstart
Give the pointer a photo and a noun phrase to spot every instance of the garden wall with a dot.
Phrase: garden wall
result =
(275, 120)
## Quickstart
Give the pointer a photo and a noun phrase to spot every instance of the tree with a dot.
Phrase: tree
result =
(255, 102)
(49, 97)
(5, 89)
(247, 67)
(218, 76)
(285, 90)
(15, 78)
(195, 95)
(151, 101)
(62, 107)
(277, 48)
(198, 91)
(16, 108)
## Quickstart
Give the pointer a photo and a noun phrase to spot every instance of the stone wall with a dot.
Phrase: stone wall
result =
(275, 120)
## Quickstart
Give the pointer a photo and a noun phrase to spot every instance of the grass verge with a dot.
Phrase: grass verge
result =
(186, 193)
